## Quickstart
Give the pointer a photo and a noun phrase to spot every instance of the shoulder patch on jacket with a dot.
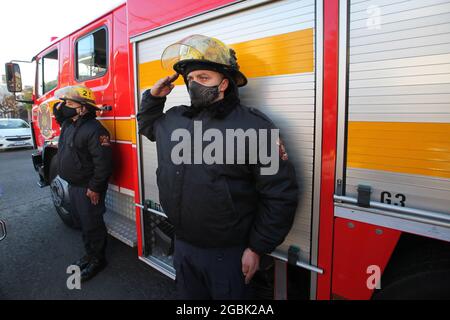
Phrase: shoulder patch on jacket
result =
(282, 150)
(105, 141)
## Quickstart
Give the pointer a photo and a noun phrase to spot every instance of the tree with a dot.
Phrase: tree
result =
(27, 95)
(10, 108)
(8, 105)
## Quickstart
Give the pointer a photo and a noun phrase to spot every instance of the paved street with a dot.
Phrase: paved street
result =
(39, 247)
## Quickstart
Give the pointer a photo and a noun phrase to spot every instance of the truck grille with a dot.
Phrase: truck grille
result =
(17, 138)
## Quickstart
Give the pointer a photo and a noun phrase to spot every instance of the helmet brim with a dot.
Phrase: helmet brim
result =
(189, 65)
(83, 103)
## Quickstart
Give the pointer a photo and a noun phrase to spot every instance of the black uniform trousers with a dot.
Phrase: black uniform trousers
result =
(205, 273)
(90, 218)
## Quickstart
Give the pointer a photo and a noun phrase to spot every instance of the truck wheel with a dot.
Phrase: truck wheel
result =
(60, 195)
(422, 273)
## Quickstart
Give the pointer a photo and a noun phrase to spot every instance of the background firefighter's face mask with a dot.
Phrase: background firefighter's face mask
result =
(202, 96)
(68, 112)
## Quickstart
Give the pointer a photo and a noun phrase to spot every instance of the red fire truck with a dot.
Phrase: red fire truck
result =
(360, 90)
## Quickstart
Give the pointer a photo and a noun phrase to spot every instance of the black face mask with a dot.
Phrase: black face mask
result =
(202, 96)
(68, 112)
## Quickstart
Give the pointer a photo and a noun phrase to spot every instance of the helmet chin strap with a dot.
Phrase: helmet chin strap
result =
(80, 113)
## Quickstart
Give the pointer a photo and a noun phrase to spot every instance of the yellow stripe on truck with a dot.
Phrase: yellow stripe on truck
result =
(126, 130)
(281, 54)
(287, 53)
(402, 147)
(121, 129)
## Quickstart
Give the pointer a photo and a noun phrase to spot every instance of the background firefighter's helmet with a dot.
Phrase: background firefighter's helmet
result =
(77, 93)
(203, 50)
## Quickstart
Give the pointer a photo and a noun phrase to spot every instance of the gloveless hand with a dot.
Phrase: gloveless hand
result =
(164, 86)
(94, 196)
(59, 105)
(250, 264)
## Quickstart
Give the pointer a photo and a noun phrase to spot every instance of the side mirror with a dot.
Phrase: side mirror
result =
(13, 77)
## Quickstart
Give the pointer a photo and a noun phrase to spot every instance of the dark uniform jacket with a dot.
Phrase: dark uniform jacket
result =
(219, 205)
(84, 152)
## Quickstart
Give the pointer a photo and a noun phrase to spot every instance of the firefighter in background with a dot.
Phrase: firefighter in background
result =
(85, 162)
(225, 215)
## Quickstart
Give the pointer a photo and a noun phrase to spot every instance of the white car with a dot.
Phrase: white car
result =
(15, 133)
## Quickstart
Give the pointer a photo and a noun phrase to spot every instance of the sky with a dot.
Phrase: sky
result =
(26, 26)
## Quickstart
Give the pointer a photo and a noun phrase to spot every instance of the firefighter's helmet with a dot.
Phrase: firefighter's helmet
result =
(203, 50)
(77, 93)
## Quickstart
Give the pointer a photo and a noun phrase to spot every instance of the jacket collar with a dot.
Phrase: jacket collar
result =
(88, 116)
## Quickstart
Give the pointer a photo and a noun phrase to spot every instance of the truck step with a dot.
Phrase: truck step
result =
(121, 228)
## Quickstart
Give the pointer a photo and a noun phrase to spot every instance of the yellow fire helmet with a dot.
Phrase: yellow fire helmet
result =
(77, 93)
(204, 50)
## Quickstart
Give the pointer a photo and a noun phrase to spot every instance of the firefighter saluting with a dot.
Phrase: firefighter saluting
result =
(85, 162)
(225, 215)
